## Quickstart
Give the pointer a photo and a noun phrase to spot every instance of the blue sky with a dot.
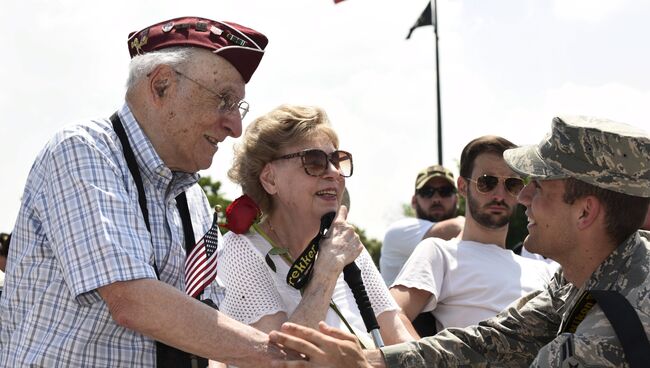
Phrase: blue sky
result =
(507, 68)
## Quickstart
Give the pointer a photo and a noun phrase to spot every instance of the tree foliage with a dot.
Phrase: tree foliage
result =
(372, 245)
(211, 189)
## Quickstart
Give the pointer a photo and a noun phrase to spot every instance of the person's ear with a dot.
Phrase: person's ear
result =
(160, 82)
(414, 201)
(267, 179)
(461, 183)
(588, 210)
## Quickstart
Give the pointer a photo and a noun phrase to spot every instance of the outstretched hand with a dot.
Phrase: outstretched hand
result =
(330, 347)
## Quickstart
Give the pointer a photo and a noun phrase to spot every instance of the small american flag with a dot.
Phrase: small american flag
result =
(201, 263)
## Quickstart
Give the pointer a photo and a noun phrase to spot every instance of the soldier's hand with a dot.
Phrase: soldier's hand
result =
(330, 347)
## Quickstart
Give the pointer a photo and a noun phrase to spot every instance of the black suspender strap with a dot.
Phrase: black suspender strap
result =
(166, 356)
(184, 211)
(626, 324)
(133, 166)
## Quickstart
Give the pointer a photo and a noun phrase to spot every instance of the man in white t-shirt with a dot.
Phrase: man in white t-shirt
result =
(434, 200)
(471, 278)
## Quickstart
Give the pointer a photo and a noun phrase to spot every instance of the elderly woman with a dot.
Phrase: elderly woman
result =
(290, 165)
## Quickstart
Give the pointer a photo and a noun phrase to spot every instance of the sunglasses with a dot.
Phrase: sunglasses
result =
(487, 183)
(316, 162)
(428, 192)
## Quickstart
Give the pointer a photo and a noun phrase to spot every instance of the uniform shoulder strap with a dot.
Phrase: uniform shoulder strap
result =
(626, 324)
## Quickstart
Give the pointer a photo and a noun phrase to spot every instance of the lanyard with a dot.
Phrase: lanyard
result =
(284, 253)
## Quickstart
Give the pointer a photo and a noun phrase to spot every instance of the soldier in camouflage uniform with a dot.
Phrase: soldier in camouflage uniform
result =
(588, 197)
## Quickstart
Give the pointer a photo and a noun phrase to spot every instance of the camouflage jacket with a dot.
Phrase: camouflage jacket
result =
(527, 332)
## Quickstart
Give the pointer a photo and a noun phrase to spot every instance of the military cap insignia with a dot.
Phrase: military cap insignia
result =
(137, 43)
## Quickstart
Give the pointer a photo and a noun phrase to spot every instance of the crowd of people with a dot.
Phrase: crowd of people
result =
(103, 266)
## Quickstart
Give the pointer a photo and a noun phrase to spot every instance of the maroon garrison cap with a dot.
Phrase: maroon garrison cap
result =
(241, 46)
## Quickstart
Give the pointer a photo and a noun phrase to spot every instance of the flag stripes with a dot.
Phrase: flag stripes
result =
(201, 263)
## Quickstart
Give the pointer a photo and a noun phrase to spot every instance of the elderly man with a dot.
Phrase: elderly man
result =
(97, 272)
(588, 196)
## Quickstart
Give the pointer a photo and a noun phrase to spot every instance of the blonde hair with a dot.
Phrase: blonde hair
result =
(283, 126)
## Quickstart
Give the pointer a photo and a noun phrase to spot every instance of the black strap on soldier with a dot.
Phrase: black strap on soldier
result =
(623, 318)
(166, 356)
(626, 324)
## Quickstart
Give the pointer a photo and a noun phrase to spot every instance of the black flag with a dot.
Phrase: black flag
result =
(423, 20)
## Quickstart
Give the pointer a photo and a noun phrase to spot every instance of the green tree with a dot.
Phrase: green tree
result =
(408, 210)
(372, 245)
(211, 189)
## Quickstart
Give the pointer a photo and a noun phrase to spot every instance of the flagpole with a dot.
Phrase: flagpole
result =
(434, 14)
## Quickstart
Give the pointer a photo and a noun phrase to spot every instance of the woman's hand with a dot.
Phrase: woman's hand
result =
(340, 247)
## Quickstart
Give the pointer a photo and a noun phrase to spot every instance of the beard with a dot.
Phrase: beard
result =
(484, 218)
(434, 217)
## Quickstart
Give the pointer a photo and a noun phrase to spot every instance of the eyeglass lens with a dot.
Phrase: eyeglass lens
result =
(316, 162)
(428, 192)
(487, 183)
(230, 103)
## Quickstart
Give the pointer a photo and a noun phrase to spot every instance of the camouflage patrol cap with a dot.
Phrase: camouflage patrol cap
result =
(600, 152)
(432, 172)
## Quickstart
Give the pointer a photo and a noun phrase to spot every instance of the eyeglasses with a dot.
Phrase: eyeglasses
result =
(428, 192)
(487, 183)
(227, 102)
(315, 161)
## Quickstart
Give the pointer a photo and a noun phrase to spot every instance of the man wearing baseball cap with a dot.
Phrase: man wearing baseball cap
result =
(99, 270)
(587, 198)
(434, 200)
(472, 277)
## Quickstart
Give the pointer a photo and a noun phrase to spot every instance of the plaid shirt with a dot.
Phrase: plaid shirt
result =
(79, 228)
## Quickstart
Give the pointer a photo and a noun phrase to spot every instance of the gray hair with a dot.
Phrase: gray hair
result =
(142, 65)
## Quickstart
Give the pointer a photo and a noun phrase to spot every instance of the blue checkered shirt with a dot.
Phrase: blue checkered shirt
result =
(79, 228)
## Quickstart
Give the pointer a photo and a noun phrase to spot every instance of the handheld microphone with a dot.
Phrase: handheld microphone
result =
(352, 276)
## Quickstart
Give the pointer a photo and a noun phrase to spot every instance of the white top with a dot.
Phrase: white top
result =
(527, 254)
(400, 240)
(470, 281)
(254, 290)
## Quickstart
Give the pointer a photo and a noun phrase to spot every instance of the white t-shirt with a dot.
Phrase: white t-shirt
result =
(526, 254)
(400, 240)
(254, 290)
(470, 281)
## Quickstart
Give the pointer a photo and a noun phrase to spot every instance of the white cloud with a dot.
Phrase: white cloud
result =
(586, 10)
(614, 101)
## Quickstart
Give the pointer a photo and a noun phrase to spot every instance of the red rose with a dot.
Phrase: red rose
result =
(241, 214)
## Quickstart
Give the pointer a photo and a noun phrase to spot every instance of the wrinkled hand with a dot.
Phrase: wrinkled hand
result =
(330, 347)
(341, 246)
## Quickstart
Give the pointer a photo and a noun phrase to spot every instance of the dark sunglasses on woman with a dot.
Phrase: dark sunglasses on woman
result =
(315, 161)
(487, 183)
